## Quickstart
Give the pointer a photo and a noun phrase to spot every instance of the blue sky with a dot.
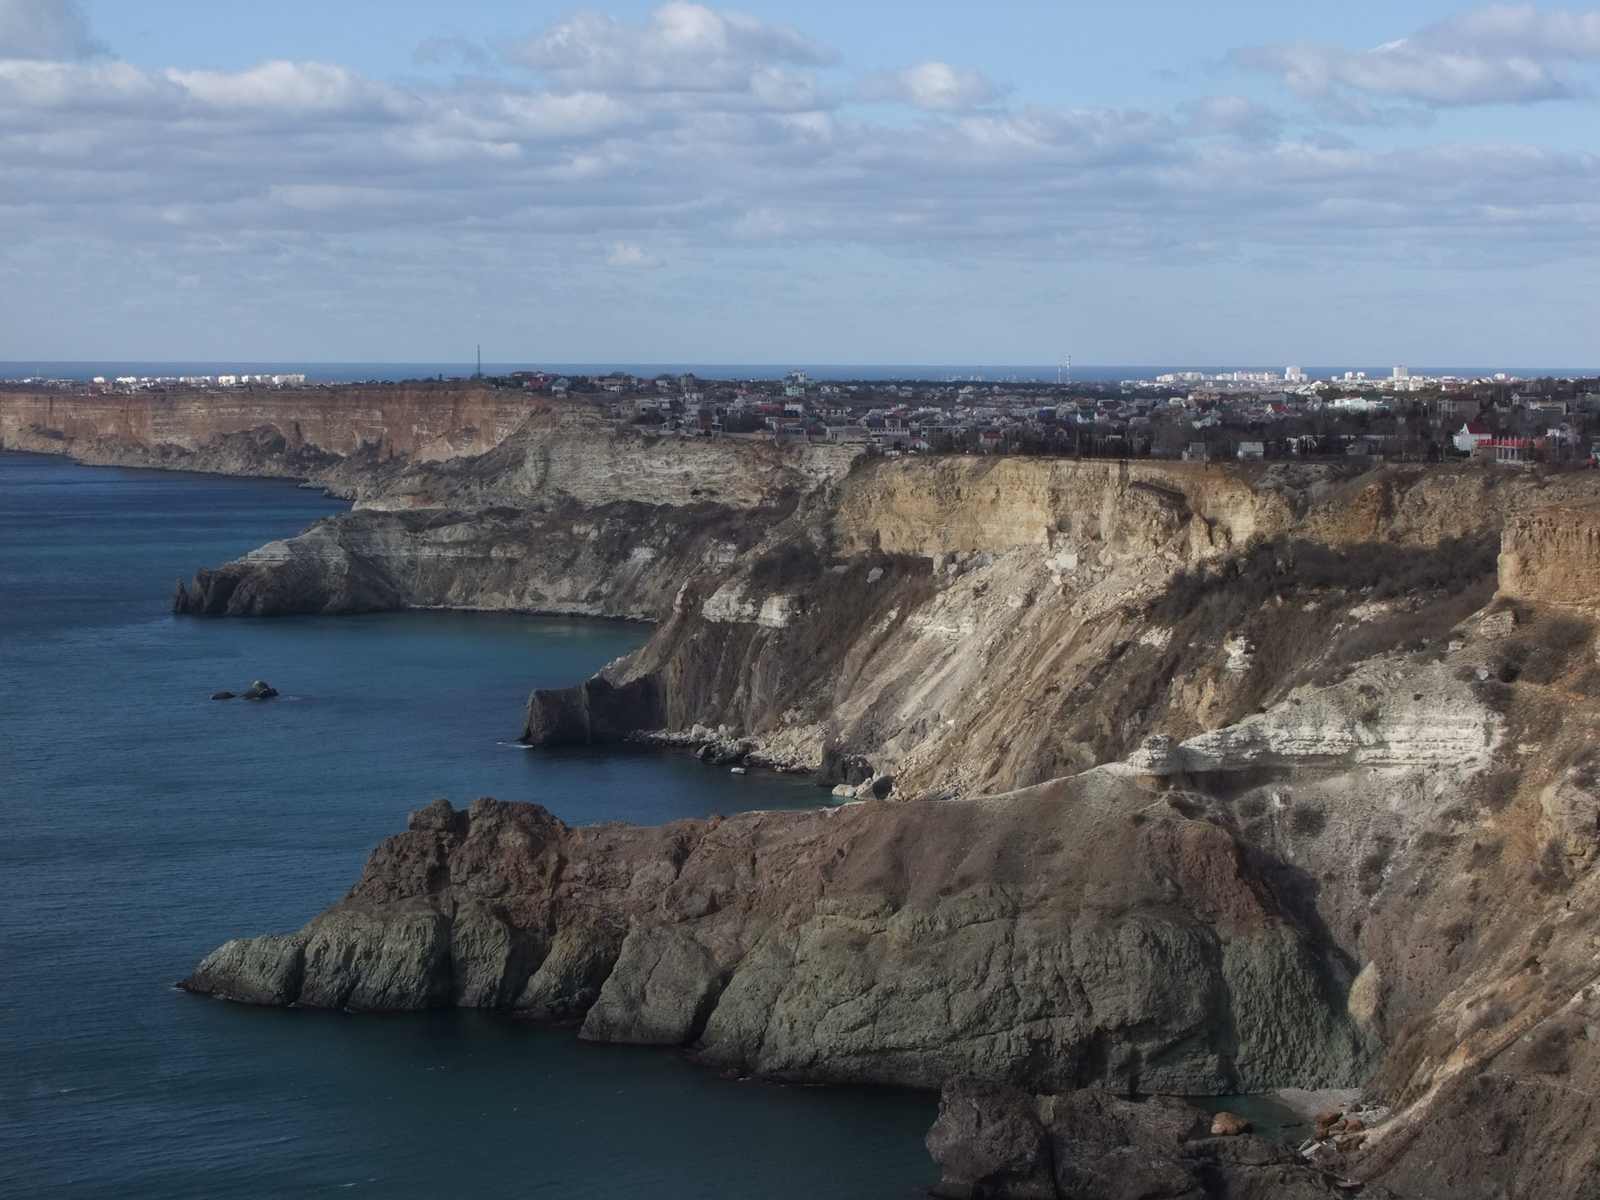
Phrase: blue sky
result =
(1148, 181)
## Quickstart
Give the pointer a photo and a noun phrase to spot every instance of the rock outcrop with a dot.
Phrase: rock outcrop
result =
(1551, 554)
(1085, 932)
(604, 562)
(995, 1142)
(596, 711)
(567, 514)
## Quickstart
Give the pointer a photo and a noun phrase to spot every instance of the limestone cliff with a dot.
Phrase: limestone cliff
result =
(1034, 618)
(345, 437)
(1551, 552)
(1196, 778)
(567, 514)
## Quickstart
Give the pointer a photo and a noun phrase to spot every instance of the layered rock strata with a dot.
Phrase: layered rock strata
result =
(582, 562)
(1552, 553)
(345, 437)
(1110, 603)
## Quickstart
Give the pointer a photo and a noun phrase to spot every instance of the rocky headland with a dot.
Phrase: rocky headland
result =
(1174, 779)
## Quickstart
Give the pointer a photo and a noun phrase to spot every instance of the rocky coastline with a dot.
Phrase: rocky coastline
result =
(1171, 780)
(890, 943)
(996, 1142)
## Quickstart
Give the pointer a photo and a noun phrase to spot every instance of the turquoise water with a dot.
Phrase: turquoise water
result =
(1268, 1115)
(141, 824)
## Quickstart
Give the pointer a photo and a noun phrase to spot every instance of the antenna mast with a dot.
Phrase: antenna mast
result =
(479, 375)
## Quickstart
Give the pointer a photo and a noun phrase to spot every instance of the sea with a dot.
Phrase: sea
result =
(392, 372)
(142, 824)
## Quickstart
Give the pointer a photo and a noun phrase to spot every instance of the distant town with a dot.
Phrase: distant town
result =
(1241, 415)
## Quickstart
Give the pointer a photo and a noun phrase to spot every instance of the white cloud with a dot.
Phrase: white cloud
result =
(631, 257)
(1520, 29)
(682, 47)
(43, 29)
(1498, 54)
(291, 90)
(298, 162)
(1236, 115)
(1406, 71)
(932, 87)
(307, 150)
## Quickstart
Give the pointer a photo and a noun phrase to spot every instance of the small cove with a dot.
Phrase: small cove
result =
(143, 824)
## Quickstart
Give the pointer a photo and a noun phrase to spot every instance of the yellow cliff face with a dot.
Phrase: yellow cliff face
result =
(569, 455)
(966, 504)
(426, 423)
(1064, 610)
(1551, 553)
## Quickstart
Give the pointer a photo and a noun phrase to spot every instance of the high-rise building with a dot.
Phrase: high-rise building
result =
(1294, 374)
(1402, 372)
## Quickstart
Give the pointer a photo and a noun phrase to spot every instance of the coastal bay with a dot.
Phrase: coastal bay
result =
(143, 823)
(1172, 781)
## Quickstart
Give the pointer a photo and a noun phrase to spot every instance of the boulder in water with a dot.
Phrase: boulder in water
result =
(1227, 1124)
(261, 690)
(222, 695)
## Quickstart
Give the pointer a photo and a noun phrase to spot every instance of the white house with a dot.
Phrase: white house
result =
(1471, 436)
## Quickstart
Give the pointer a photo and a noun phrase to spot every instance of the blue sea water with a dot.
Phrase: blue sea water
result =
(142, 824)
(360, 372)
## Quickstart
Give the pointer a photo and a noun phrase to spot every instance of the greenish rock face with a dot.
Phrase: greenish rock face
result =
(888, 942)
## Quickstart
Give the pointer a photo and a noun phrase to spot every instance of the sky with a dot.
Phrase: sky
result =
(1176, 182)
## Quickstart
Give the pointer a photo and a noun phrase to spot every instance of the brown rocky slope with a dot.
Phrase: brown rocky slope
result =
(1082, 932)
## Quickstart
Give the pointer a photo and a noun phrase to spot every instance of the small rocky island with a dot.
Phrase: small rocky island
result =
(259, 690)
(1172, 779)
